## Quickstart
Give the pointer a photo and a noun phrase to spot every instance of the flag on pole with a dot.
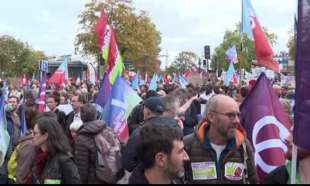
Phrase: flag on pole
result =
(153, 84)
(302, 69)
(115, 61)
(267, 126)
(229, 74)
(61, 75)
(263, 50)
(103, 30)
(104, 92)
(120, 104)
(182, 81)
(232, 55)
(4, 135)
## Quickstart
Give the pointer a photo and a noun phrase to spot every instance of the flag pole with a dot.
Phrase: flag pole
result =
(294, 164)
(242, 44)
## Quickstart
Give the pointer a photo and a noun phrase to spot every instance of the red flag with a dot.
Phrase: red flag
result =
(100, 28)
(187, 74)
(264, 53)
(60, 76)
(267, 126)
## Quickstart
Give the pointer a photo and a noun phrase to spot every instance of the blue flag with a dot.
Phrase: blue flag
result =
(247, 14)
(120, 104)
(182, 81)
(4, 135)
(229, 74)
(104, 93)
(22, 119)
(153, 84)
(232, 55)
(302, 69)
(135, 82)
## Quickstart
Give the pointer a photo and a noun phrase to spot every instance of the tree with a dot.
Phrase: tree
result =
(291, 44)
(245, 56)
(17, 57)
(183, 61)
(137, 37)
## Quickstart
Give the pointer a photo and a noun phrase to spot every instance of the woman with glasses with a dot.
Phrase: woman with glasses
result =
(53, 162)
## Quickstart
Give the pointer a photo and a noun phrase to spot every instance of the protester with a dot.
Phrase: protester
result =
(161, 151)
(12, 114)
(21, 161)
(85, 148)
(136, 116)
(53, 162)
(153, 107)
(77, 101)
(52, 103)
(219, 150)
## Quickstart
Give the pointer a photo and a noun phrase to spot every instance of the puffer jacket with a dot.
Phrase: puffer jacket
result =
(203, 167)
(86, 151)
(58, 169)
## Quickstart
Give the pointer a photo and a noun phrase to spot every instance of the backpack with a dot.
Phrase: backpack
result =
(108, 166)
(12, 164)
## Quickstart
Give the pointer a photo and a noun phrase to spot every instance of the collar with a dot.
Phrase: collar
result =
(230, 145)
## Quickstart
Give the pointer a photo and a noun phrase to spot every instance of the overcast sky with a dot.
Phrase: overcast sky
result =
(185, 25)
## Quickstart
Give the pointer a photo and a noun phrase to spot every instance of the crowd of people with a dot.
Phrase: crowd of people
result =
(177, 136)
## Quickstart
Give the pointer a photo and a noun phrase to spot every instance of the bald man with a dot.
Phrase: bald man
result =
(219, 150)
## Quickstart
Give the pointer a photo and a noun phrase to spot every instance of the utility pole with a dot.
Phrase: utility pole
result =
(166, 55)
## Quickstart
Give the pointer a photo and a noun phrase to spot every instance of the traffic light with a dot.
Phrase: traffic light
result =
(204, 63)
(207, 52)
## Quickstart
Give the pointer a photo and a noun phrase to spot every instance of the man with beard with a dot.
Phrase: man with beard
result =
(162, 155)
(219, 150)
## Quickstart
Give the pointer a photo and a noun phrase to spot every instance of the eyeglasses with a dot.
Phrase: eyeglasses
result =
(230, 115)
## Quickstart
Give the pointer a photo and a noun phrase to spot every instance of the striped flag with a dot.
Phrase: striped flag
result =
(120, 104)
(115, 60)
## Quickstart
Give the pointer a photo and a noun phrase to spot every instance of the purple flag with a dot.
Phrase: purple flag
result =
(267, 126)
(302, 69)
(104, 91)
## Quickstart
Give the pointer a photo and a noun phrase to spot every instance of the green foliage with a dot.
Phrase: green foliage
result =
(246, 51)
(292, 46)
(17, 57)
(137, 37)
(183, 61)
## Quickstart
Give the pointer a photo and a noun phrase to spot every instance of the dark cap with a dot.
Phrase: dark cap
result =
(155, 104)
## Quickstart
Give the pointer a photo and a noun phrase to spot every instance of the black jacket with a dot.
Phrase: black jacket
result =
(61, 118)
(278, 176)
(60, 169)
(138, 177)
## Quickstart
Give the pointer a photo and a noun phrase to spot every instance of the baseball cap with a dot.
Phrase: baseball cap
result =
(155, 104)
